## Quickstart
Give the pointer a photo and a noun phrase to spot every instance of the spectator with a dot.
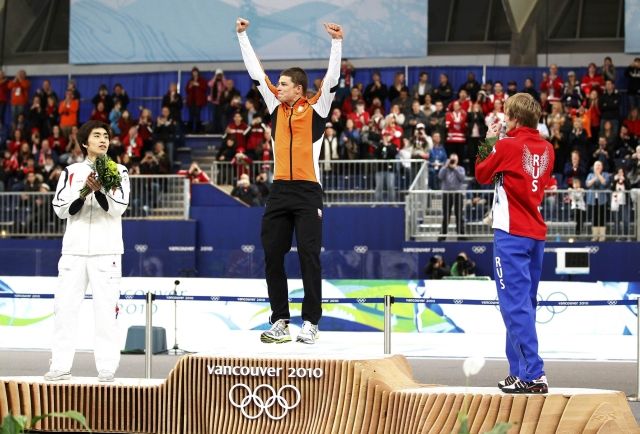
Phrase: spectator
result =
(59, 142)
(375, 89)
(393, 130)
(173, 100)
(471, 86)
(443, 92)
(463, 99)
(196, 99)
(633, 82)
(592, 80)
(421, 143)
(597, 183)
(608, 70)
(165, 130)
(529, 88)
(19, 88)
(359, 116)
(4, 95)
(496, 114)
(422, 88)
(14, 145)
(71, 85)
(456, 122)
(145, 128)
(436, 268)
(328, 152)
(349, 104)
(347, 79)
(437, 160)
(609, 104)
(624, 149)
(620, 209)
(195, 174)
(572, 95)
(463, 266)
(452, 178)
(47, 91)
(593, 112)
(398, 85)
(498, 94)
(114, 118)
(512, 88)
(415, 117)
(68, 111)
(632, 122)
(246, 192)
(103, 97)
(238, 129)
(119, 94)
(476, 130)
(402, 101)
(578, 204)
(241, 162)
(100, 113)
(577, 142)
(552, 84)
(163, 159)
(385, 171)
(36, 118)
(124, 124)
(133, 143)
(350, 141)
(337, 120)
(45, 152)
(51, 113)
(216, 86)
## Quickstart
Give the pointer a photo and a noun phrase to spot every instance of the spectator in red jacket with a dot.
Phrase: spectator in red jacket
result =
(99, 113)
(552, 84)
(57, 141)
(4, 95)
(19, 87)
(133, 143)
(18, 140)
(196, 99)
(456, 122)
(632, 122)
(359, 115)
(238, 129)
(592, 80)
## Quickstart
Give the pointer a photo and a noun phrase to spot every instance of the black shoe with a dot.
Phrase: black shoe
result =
(539, 385)
(507, 381)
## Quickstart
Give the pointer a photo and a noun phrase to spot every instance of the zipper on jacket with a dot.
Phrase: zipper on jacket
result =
(291, 146)
(90, 217)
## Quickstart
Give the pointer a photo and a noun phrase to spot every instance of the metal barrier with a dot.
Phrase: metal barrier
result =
(345, 182)
(469, 215)
(30, 214)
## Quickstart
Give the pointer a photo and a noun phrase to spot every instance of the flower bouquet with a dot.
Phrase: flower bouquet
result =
(486, 147)
(107, 173)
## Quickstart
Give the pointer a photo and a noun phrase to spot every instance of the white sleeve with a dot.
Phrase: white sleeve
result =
(64, 195)
(251, 62)
(321, 102)
(119, 199)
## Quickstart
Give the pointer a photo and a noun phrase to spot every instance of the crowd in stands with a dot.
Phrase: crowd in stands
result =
(586, 118)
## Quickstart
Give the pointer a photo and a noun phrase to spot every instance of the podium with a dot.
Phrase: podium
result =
(282, 394)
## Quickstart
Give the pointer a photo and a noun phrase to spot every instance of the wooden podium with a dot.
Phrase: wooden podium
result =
(306, 395)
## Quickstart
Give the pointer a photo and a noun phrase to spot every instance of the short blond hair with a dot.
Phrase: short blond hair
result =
(523, 108)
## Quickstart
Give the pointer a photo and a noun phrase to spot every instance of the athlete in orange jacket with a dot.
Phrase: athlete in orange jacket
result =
(295, 201)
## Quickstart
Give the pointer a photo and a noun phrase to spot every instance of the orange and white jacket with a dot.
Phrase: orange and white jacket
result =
(297, 131)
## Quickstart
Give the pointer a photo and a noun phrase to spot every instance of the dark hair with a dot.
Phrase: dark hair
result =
(298, 77)
(86, 129)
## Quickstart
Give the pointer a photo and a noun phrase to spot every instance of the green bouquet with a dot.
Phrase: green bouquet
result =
(486, 148)
(107, 172)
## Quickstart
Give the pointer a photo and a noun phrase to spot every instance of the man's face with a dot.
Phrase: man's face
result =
(497, 88)
(609, 86)
(423, 78)
(97, 142)
(575, 159)
(511, 123)
(288, 92)
(553, 69)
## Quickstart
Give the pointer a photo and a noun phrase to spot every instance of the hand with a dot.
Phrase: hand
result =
(93, 183)
(494, 129)
(334, 30)
(241, 25)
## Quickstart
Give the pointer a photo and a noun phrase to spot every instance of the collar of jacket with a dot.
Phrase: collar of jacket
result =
(522, 130)
(300, 102)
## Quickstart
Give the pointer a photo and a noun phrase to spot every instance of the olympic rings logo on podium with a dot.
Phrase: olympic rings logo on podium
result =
(264, 406)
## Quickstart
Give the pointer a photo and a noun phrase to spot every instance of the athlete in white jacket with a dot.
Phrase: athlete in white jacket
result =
(92, 250)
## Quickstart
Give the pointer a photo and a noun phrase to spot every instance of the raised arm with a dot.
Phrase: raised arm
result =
(322, 100)
(251, 62)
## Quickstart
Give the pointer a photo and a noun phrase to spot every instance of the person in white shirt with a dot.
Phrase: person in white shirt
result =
(92, 250)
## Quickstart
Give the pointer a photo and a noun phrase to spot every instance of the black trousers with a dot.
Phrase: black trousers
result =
(449, 200)
(293, 206)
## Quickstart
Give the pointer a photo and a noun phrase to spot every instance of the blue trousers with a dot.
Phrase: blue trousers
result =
(517, 265)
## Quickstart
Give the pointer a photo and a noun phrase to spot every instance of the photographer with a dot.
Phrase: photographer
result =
(246, 192)
(463, 266)
(452, 179)
(436, 268)
(195, 174)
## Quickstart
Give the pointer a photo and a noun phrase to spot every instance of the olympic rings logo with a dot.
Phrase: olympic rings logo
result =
(360, 249)
(264, 406)
(361, 300)
(248, 248)
(215, 298)
(478, 250)
(141, 248)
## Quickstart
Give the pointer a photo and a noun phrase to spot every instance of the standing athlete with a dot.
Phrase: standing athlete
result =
(521, 165)
(91, 254)
(295, 201)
